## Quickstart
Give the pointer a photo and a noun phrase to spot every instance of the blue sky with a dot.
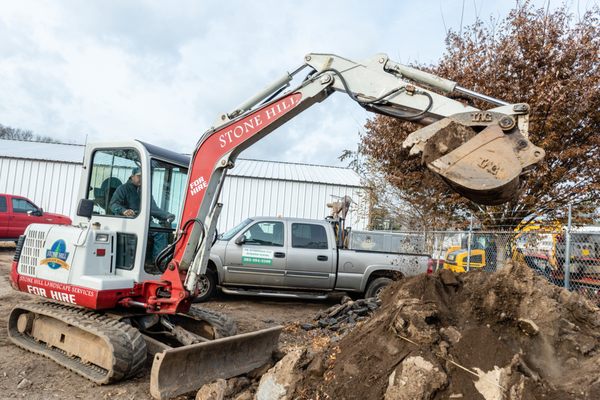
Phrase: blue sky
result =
(163, 71)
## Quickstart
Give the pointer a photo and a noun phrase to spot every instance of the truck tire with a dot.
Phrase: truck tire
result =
(207, 287)
(376, 285)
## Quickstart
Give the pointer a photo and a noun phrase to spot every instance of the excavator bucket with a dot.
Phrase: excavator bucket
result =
(484, 166)
(176, 371)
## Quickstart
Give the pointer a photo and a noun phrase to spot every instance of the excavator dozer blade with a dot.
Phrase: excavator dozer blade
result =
(484, 167)
(185, 369)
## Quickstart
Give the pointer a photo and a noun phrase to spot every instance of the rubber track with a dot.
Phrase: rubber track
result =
(223, 325)
(127, 344)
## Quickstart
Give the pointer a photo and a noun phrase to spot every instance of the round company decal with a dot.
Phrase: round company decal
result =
(56, 256)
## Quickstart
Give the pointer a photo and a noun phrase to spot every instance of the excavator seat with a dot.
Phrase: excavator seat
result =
(104, 193)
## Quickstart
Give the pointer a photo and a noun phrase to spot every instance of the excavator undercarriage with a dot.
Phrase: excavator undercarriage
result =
(95, 346)
(107, 348)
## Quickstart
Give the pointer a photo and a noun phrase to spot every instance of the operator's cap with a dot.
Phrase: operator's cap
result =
(136, 171)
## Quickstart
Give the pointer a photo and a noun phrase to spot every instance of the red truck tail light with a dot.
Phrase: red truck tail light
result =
(100, 252)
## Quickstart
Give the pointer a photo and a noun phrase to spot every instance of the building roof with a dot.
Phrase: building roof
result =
(286, 171)
(274, 170)
(69, 153)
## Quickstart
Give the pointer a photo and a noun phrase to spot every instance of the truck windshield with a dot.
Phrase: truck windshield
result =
(234, 231)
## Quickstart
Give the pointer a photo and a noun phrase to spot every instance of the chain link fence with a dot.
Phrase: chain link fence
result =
(568, 258)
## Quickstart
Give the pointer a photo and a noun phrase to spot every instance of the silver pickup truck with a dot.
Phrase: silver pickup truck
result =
(290, 257)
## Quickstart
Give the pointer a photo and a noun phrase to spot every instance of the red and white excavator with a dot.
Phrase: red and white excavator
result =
(120, 294)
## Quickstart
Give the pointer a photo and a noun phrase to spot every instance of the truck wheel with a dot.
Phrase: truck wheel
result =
(207, 286)
(376, 286)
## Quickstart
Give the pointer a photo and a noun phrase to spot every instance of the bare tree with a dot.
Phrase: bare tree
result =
(6, 132)
(536, 56)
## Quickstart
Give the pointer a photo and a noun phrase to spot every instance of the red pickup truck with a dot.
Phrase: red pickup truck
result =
(17, 212)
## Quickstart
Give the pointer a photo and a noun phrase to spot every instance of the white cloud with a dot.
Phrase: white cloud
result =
(163, 71)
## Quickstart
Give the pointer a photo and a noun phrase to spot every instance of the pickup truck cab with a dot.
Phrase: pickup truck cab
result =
(17, 212)
(290, 257)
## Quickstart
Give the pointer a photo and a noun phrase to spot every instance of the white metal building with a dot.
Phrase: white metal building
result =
(48, 174)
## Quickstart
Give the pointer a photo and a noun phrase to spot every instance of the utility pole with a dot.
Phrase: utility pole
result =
(469, 239)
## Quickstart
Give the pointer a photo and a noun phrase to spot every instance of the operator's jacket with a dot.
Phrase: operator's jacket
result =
(127, 197)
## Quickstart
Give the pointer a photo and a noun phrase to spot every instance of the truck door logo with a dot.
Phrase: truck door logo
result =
(56, 255)
(257, 257)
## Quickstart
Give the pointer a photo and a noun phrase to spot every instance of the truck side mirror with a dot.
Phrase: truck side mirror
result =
(240, 240)
(85, 208)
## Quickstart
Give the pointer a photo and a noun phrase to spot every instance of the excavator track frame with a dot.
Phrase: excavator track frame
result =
(125, 343)
(57, 331)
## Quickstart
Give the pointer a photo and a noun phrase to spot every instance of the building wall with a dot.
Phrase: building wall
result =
(49, 184)
(244, 197)
(54, 187)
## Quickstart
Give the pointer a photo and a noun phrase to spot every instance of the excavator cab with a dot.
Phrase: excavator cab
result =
(137, 190)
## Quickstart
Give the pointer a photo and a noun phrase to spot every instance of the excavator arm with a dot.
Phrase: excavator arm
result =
(480, 154)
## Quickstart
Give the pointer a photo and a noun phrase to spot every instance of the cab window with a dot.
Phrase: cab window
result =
(2, 204)
(168, 184)
(22, 206)
(265, 234)
(112, 168)
(234, 231)
(309, 236)
(168, 188)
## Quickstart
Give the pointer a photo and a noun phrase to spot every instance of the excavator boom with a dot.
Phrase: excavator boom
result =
(479, 153)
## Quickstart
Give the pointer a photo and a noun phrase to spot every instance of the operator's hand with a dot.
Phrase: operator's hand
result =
(129, 213)
(170, 218)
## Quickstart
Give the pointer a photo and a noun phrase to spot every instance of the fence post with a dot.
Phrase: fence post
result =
(567, 265)
(439, 244)
(469, 238)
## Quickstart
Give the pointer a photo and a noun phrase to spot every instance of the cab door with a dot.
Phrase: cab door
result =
(257, 255)
(311, 257)
(24, 213)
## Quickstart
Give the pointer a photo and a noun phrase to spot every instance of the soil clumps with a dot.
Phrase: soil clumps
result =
(507, 335)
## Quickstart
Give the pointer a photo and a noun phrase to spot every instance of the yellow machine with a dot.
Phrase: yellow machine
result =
(483, 253)
(537, 240)
(529, 240)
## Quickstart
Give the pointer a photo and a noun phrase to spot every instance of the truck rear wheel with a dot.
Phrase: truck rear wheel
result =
(376, 286)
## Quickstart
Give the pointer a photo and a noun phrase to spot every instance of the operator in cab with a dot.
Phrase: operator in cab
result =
(126, 202)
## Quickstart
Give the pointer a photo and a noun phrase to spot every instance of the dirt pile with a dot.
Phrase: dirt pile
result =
(508, 335)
